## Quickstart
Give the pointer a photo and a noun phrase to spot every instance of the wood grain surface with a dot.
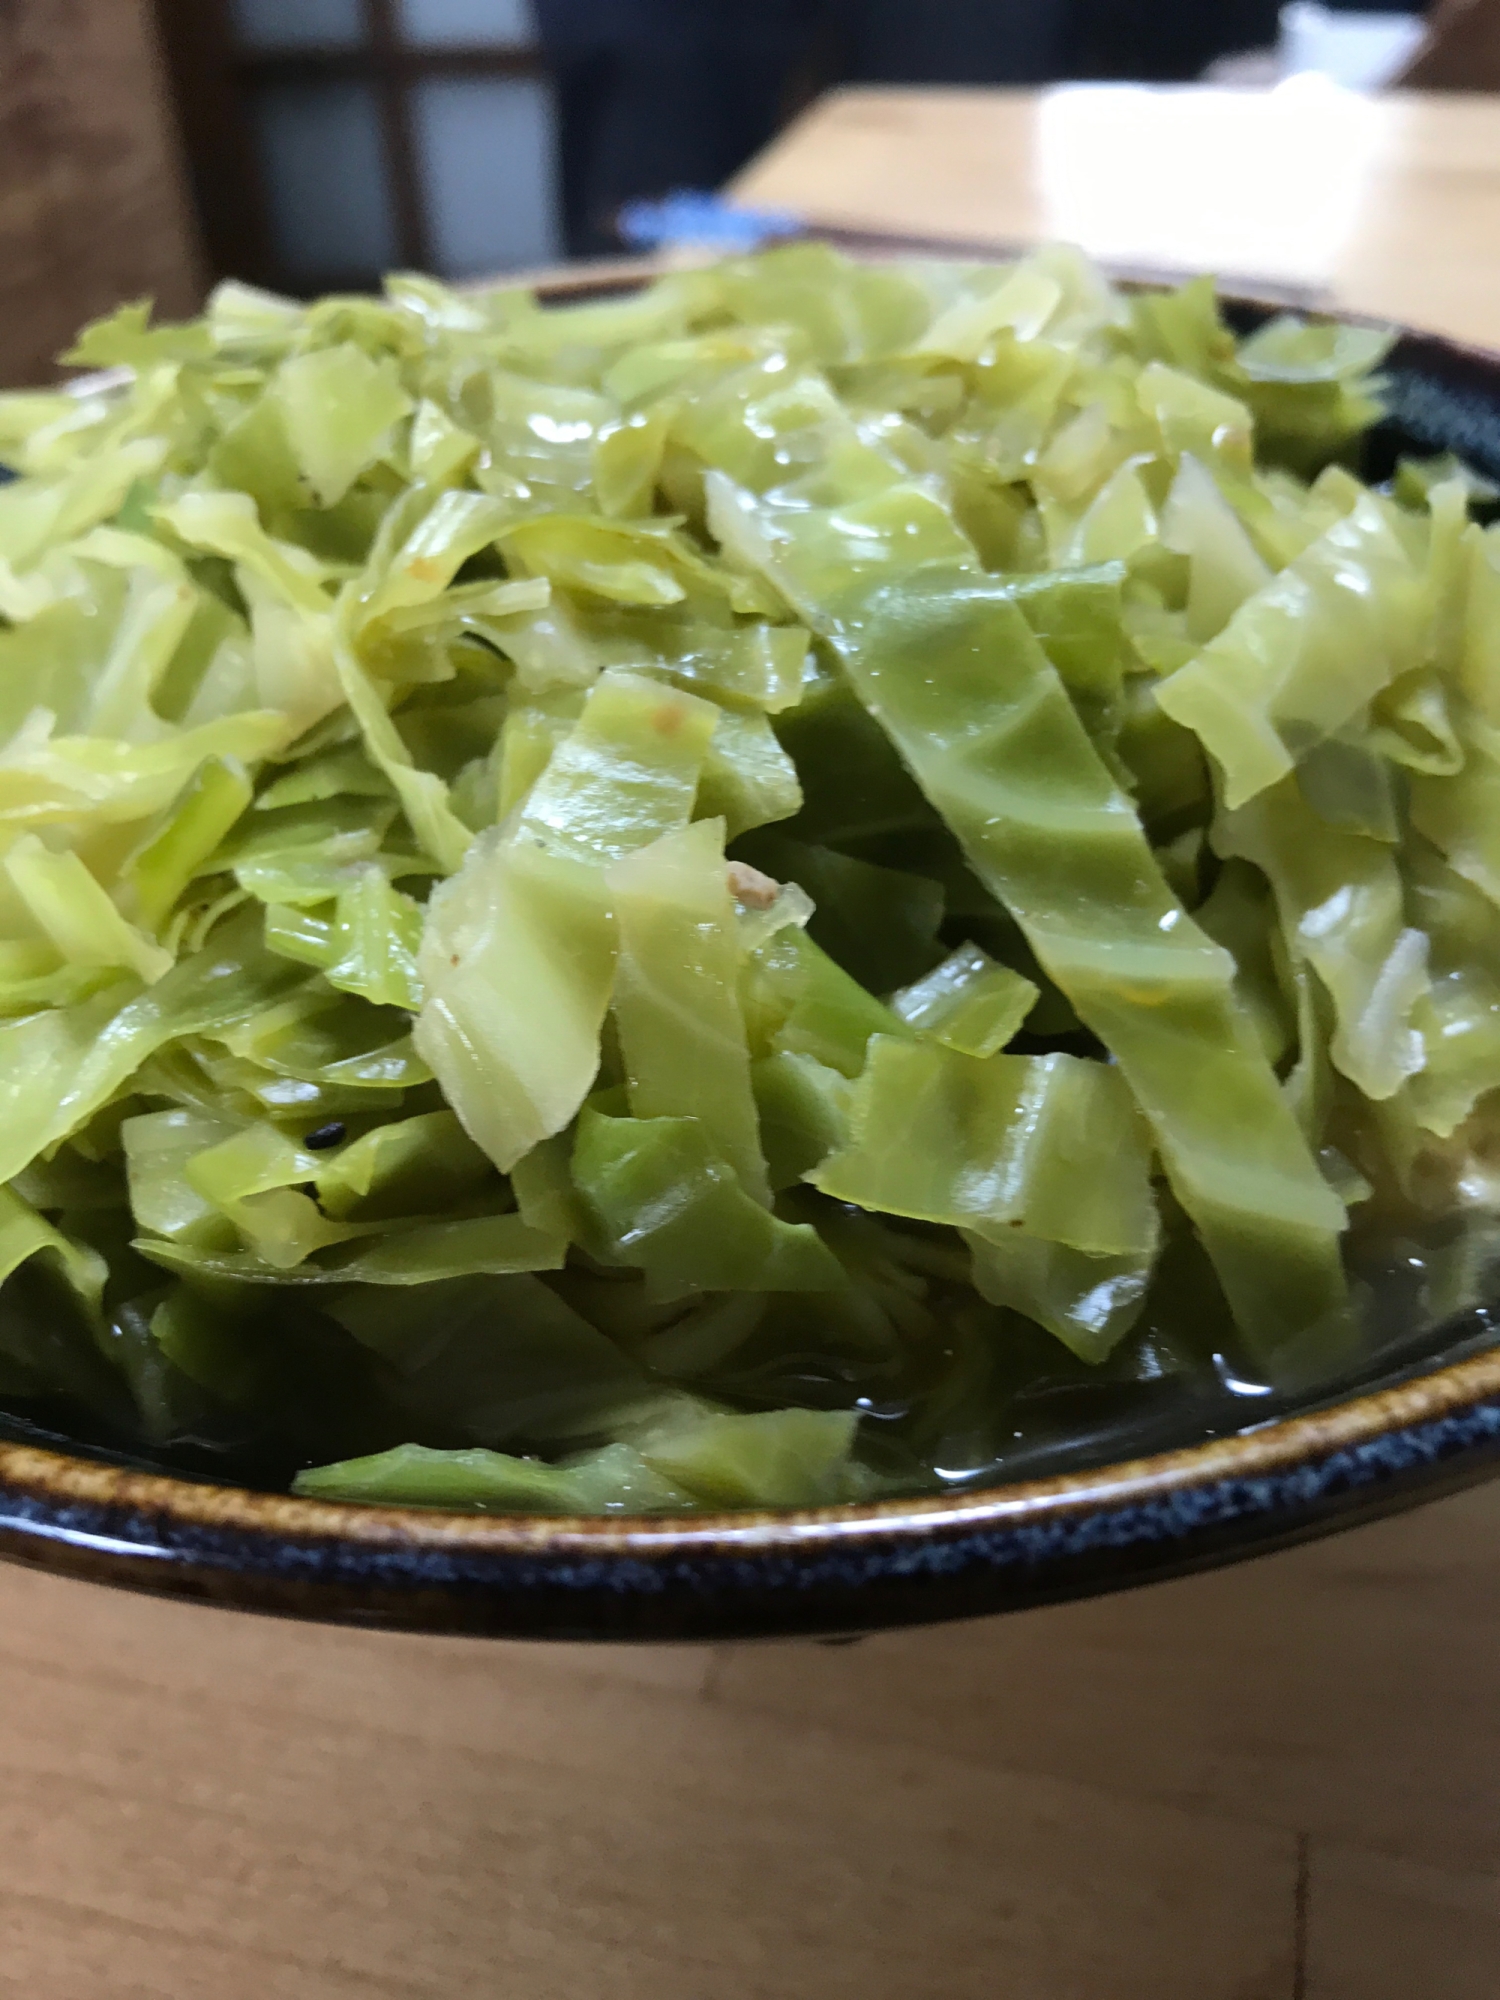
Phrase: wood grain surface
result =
(1280, 1782)
(1382, 205)
(92, 209)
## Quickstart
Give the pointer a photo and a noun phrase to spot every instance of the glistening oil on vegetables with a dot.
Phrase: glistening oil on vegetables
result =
(819, 882)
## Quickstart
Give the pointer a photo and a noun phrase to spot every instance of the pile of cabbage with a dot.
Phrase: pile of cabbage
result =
(669, 903)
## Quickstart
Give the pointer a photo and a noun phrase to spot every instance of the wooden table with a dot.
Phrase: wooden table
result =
(1383, 205)
(1281, 1782)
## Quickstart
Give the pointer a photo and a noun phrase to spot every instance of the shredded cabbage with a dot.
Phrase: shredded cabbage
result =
(800, 885)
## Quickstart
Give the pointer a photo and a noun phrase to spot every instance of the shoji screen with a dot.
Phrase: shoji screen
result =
(336, 139)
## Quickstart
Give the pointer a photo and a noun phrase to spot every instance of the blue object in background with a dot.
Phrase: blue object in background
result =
(689, 215)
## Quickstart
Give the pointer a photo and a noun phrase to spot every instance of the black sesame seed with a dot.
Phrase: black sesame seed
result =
(326, 1137)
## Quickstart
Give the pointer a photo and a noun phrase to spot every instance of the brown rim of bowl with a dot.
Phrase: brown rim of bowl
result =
(1280, 1447)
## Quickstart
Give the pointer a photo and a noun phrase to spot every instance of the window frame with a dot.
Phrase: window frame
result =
(213, 81)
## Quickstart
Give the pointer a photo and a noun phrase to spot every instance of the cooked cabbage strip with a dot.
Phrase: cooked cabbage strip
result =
(518, 964)
(668, 1203)
(1459, 1016)
(968, 1003)
(1089, 1303)
(627, 773)
(676, 1000)
(58, 1068)
(1304, 654)
(423, 1254)
(1343, 909)
(953, 673)
(1052, 1145)
(1460, 813)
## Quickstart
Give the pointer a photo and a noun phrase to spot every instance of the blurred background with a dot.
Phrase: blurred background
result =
(312, 144)
(332, 139)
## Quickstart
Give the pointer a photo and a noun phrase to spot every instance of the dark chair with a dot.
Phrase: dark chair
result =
(656, 95)
(1462, 51)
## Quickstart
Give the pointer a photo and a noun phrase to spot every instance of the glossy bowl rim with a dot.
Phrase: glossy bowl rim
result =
(1294, 1442)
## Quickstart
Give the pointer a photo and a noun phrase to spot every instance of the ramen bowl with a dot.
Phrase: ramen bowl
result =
(1122, 1506)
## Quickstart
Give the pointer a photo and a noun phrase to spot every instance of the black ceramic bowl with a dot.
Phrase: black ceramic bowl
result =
(1423, 1421)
